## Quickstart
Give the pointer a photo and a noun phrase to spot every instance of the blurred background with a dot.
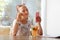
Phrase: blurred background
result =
(8, 9)
(8, 12)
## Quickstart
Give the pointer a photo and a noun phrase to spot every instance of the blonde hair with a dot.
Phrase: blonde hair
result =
(18, 6)
(19, 14)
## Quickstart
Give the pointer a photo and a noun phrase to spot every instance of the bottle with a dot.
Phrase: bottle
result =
(38, 19)
(35, 27)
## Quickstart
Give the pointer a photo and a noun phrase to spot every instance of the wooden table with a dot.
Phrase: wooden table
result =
(6, 37)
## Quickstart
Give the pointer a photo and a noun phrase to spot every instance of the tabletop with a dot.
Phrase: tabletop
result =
(7, 37)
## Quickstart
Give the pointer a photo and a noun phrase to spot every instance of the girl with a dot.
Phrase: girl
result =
(21, 25)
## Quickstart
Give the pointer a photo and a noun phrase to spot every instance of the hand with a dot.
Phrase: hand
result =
(38, 19)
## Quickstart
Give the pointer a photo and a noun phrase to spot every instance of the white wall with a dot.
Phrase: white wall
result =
(43, 17)
(53, 17)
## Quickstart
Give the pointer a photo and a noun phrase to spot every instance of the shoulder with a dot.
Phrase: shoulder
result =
(29, 21)
(15, 21)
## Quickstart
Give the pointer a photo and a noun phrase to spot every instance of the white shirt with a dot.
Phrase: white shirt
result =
(23, 29)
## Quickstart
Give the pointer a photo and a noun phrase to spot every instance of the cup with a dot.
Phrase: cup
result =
(34, 31)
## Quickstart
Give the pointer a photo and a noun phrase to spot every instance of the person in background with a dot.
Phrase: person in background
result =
(21, 25)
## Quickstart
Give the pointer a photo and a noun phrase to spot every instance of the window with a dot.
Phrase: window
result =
(3, 17)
